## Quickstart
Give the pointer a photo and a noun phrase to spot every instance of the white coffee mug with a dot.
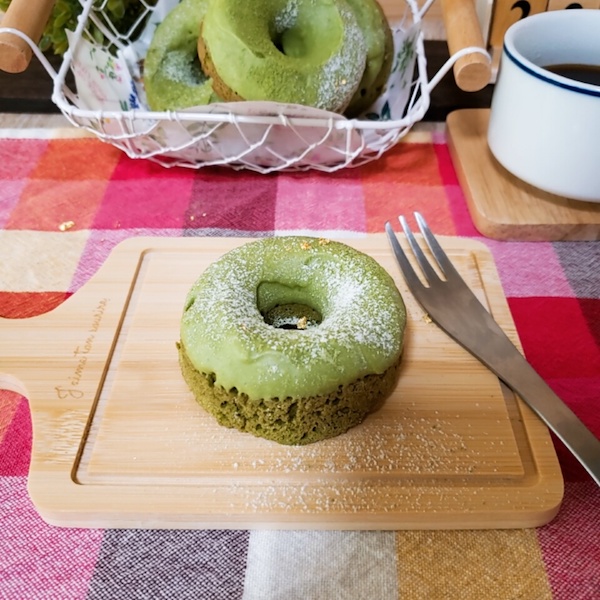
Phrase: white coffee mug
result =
(545, 128)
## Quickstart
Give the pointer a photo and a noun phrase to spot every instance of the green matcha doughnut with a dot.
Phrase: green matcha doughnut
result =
(303, 383)
(173, 77)
(309, 52)
(380, 53)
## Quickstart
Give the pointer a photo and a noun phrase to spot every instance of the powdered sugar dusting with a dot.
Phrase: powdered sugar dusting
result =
(343, 72)
(179, 66)
(286, 18)
(339, 76)
(362, 471)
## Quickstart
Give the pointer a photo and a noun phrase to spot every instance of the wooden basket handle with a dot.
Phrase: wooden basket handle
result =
(30, 18)
(473, 71)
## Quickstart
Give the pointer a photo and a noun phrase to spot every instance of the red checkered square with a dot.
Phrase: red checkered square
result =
(18, 158)
(51, 205)
(555, 335)
(76, 159)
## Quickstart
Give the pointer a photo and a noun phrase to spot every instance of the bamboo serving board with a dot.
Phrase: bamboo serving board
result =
(502, 206)
(118, 440)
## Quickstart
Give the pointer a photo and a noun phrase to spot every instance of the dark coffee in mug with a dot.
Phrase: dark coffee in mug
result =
(583, 73)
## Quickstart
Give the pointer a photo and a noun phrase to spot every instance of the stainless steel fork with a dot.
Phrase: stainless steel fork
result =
(450, 303)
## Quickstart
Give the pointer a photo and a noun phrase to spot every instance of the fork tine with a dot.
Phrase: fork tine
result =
(405, 266)
(440, 256)
(426, 267)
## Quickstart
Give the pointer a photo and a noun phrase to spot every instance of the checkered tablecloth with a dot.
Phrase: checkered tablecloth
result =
(67, 199)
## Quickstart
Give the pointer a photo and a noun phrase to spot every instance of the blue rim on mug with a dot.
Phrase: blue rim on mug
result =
(538, 71)
(558, 80)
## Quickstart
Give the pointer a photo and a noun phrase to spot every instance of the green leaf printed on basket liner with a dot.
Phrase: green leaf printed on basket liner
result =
(123, 14)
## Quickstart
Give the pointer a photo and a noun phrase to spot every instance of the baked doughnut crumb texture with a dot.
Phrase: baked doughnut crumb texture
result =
(292, 338)
(290, 421)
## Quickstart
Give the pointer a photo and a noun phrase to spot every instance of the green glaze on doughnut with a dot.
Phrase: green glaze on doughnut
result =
(173, 77)
(309, 52)
(225, 336)
(380, 53)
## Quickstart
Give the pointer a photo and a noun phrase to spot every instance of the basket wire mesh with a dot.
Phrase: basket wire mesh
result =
(282, 138)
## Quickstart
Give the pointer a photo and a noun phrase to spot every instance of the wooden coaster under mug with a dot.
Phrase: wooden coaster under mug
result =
(502, 206)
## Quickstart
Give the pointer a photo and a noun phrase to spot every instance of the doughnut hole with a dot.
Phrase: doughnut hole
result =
(300, 35)
(292, 316)
(287, 307)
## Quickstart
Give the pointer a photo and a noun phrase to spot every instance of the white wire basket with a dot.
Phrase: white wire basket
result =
(262, 137)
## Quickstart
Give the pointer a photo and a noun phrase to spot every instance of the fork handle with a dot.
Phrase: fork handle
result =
(505, 360)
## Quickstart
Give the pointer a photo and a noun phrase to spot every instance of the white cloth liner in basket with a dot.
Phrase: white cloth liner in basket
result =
(109, 101)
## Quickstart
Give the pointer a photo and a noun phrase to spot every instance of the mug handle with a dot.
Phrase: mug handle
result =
(28, 17)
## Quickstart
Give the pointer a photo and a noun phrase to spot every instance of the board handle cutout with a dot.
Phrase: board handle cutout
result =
(11, 331)
(12, 384)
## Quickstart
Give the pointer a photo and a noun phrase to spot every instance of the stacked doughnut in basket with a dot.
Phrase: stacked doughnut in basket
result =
(335, 55)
